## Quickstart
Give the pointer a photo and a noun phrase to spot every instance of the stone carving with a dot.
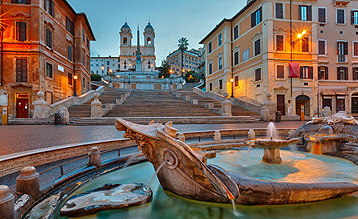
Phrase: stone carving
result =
(7, 203)
(251, 134)
(107, 197)
(327, 111)
(217, 136)
(28, 182)
(41, 107)
(94, 157)
(184, 173)
(268, 109)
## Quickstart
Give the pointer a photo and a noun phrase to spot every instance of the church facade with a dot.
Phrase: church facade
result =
(128, 51)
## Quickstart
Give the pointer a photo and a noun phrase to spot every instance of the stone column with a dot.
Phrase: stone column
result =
(41, 107)
(226, 106)
(7, 203)
(65, 115)
(28, 182)
(94, 157)
(96, 107)
(270, 106)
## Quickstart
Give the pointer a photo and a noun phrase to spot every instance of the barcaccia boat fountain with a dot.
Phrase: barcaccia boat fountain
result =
(182, 171)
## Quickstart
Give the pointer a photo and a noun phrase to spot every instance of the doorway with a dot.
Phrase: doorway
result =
(22, 106)
(341, 103)
(304, 101)
(355, 104)
(281, 104)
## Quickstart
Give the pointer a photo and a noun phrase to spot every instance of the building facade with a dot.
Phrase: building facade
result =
(301, 52)
(191, 61)
(45, 45)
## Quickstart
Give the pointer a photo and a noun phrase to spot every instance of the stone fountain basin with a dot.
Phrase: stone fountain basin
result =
(275, 143)
(330, 143)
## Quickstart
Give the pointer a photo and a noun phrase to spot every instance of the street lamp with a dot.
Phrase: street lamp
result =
(232, 87)
(75, 93)
(102, 70)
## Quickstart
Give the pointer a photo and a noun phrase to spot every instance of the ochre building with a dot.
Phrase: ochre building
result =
(304, 53)
(45, 45)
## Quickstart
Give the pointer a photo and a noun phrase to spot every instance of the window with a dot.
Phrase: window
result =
(211, 86)
(340, 16)
(119, 66)
(321, 47)
(342, 51)
(70, 79)
(21, 33)
(258, 74)
(210, 49)
(280, 71)
(83, 60)
(355, 48)
(305, 13)
(279, 10)
(48, 38)
(87, 43)
(305, 44)
(322, 73)
(220, 63)
(306, 72)
(220, 39)
(256, 17)
(21, 70)
(69, 52)
(48, 70)
(236, 32)
(355, 73)
(354, 17)
(236, 81)
(83, 35)
(84, 82)
(27, 2)
(70, 27)
(257, 47)
(221, 84)
(279, 43)
(236, 58)
(50, 7)
(107, 62)
(246, 55)
(342, 73)
(210, 68)
(322, 15)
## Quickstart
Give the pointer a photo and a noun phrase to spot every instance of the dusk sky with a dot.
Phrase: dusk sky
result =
(171, 20)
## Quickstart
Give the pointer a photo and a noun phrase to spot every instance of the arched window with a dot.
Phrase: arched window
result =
(125, 41)
(149, 41)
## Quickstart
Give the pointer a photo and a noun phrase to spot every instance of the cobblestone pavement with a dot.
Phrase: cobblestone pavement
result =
(15, 139)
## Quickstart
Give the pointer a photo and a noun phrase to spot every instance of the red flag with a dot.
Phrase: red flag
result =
(294, 70)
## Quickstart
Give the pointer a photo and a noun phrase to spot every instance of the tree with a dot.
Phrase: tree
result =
(95, 77)
(164, 70)
(183, 46)
(192, 77)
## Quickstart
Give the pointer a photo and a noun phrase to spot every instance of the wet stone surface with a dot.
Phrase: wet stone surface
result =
(107, 197)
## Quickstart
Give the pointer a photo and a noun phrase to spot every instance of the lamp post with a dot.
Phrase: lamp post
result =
(232, 87)
(102, 70)
(75, 88)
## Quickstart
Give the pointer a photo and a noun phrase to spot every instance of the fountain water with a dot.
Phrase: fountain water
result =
(156, 172)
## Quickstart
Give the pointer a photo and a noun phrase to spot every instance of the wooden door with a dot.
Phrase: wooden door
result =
(354, 104)
(22, 108)
(281, 103)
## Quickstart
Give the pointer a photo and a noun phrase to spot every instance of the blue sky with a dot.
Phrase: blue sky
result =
(171, 20)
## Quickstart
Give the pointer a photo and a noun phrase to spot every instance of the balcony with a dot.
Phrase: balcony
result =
(342, 58)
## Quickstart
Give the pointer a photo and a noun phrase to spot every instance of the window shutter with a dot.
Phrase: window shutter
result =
(18, 70)
(326, 74)
(23, 31)
(311, 72)
(260, 10)
(28, 2)
(52, 9)
(345, 48)
(352, 17)
(301, 72)
(17, 30)
(309, 13)
(46, 5)
(337, 48)
(346, 73)
(13, 1)
(354, 73)
(300, 11)
(24, 70)
(253, 20)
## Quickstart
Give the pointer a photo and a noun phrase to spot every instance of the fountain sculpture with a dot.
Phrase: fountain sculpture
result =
(184, 173)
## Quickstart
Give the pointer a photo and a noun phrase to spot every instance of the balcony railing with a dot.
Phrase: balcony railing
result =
(342, 58)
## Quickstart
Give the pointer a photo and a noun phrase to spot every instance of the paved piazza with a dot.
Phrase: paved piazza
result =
(14, 139)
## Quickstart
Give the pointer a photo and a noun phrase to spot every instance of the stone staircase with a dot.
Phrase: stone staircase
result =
(108, 96)
(235, 110)
(155, 103)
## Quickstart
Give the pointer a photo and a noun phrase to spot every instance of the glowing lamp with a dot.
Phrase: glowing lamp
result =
(75, 77)
(299, 36)
(232, 80)
(304, 32)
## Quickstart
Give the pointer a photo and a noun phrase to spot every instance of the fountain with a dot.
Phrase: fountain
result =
(186, 175)
(271, 146)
